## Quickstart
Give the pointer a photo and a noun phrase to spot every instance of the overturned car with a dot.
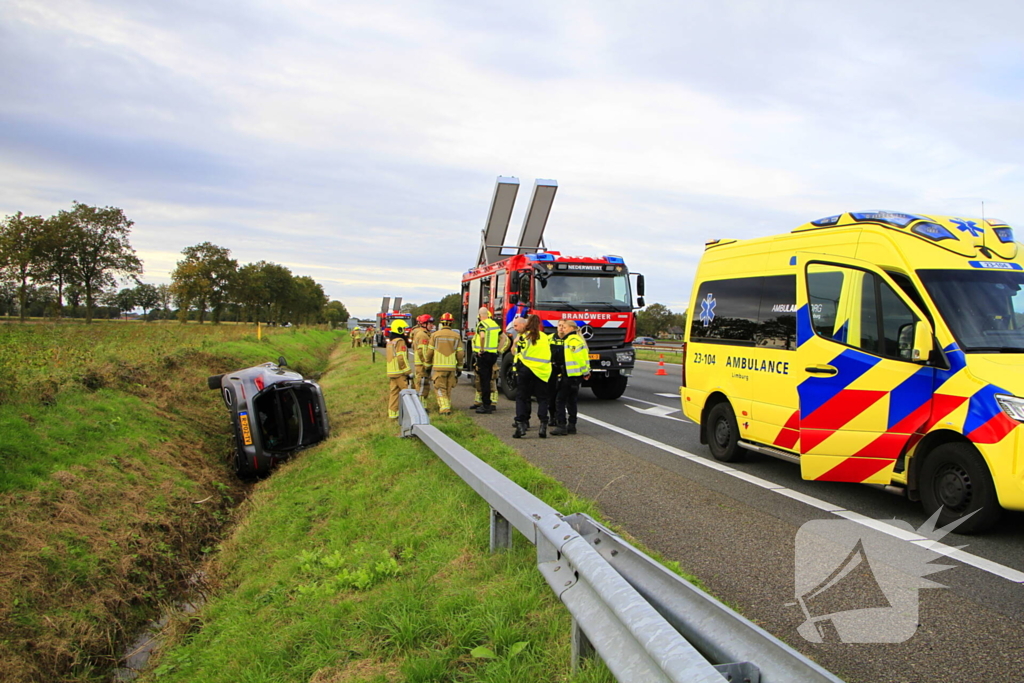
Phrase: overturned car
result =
(275, 413)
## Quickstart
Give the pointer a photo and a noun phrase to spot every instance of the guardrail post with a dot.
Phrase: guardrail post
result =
(501, 532)
(582, 648)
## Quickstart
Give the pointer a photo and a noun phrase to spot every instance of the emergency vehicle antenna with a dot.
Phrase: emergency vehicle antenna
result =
(498, 218)
(537, 216)
(384, 304)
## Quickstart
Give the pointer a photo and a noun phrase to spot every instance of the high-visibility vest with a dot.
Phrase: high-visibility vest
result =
(486, 338)
(445, 349)
(396, 355)
(577, 355)
(536, 355)
(420, 338)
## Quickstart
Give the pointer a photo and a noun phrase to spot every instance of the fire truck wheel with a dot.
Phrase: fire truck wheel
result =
(723, 434)
(954, 477)
(507, 382)
(610, 388)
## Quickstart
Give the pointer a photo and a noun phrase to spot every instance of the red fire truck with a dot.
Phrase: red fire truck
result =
(384, 318)
(596, 292)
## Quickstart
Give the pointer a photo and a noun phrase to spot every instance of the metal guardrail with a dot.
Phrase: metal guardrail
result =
(646, 623)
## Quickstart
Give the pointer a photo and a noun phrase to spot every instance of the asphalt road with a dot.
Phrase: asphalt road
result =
(735, 527)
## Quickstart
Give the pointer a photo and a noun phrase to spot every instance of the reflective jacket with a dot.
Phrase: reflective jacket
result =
(577, 355)
(420, 338)
(535, 355)
(486, 338)
(397, 356)
(445, 349)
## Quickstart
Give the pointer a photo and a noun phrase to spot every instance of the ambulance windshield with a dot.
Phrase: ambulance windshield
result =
(583, 290)
(983, 308)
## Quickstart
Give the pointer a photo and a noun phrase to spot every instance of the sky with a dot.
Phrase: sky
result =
(359, 142)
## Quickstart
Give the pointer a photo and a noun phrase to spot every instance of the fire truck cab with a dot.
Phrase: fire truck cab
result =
(596, 292)
(385, 317)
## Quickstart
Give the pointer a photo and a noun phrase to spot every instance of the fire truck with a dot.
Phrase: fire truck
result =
(595, 291)
(384, 318)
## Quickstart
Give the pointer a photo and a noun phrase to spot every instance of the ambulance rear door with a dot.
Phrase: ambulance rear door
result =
(864, 385)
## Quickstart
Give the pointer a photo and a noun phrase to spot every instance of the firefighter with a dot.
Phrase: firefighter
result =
(485, 346)
(355, 336)
(533, 370)
(368, 336)
(419, 337)
(445, 354)
(396, 356)
(575, 367)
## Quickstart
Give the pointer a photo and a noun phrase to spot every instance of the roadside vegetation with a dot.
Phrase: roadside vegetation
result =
(114, 482)
(366, 560)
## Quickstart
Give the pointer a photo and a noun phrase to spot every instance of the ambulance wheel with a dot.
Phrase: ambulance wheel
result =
(724, 434)
(955, 478)
(507, 381)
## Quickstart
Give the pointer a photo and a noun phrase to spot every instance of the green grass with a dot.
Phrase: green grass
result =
(669, 358)
(114, 482)
(366, 559)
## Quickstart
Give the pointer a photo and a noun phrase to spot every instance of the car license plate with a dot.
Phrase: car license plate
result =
(246, 433)
(595, 356)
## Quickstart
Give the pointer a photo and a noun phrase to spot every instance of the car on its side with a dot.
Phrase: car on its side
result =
(274, 412)
(644, 341)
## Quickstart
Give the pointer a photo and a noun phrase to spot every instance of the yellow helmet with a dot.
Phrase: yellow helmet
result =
(398, 325)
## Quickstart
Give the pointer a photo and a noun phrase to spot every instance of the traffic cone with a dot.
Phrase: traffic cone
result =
(661, 365)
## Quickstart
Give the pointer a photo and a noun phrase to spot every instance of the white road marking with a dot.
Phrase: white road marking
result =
(994, 568)
(675, 396)
(658, 411)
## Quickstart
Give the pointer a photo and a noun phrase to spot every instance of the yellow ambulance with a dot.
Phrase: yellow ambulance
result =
(876, 347)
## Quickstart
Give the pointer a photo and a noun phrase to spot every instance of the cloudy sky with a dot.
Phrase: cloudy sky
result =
(359, 143)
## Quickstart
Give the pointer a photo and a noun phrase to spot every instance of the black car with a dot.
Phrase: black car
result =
(275, 413)
(644, 341)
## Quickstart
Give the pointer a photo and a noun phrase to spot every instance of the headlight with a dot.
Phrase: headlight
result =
(624, 357)
(1012, 406)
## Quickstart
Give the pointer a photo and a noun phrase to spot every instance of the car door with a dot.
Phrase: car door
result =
(862, 393)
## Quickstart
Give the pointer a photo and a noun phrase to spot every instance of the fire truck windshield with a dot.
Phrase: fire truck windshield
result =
(580, 290)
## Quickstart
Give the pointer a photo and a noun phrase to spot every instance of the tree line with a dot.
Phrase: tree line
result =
(70, 264)
(658, 320)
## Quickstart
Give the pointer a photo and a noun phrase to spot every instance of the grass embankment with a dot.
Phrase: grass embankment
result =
(366, 560)
(113, 479)
(669, 358)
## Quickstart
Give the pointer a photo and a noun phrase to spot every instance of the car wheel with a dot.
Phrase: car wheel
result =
(243, 468)
(724, 434)
(956, 479)
(213, 381)
(610, 388)
(508, 383)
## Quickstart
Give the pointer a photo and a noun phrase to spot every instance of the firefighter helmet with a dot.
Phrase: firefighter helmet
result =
(424, 319)
(398, 325)
(447, 319)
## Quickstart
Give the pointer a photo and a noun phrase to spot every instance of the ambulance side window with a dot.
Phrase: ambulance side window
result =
(883, 315)
(824, 289)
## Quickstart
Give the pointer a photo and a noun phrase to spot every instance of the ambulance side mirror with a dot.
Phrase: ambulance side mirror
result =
(915, 340)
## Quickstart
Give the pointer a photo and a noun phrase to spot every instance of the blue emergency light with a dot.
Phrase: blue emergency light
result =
(615, 259)
(540, 257)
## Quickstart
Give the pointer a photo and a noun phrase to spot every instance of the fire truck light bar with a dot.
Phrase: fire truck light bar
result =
(540, 257)
(615, 259)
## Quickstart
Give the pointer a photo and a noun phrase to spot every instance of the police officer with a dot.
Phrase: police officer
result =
(419, 336)
(575, 367)
(445, 353)
(533, 365)
(485, 346)
(396, 356)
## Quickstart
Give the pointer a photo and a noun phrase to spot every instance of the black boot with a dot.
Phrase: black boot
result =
(520, 430)
(571, 429)
(543, 431)
(559, 430)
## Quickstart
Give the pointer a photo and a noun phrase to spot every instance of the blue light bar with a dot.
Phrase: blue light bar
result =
(540, 257)
(900, 220)
(1005, 235)
(932, 231)
(826, 222)
(615, 259)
